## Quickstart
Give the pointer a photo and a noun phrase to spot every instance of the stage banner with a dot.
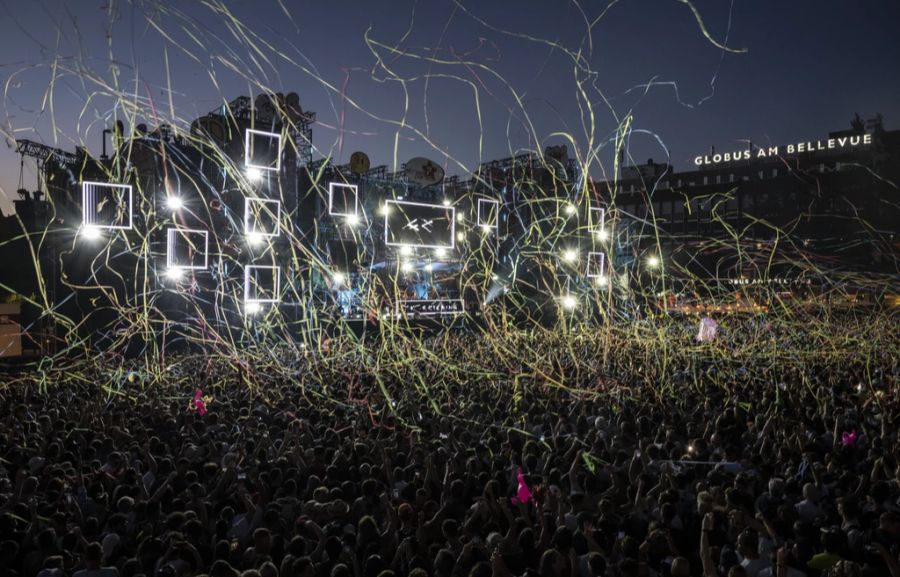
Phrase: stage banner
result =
(432, 307)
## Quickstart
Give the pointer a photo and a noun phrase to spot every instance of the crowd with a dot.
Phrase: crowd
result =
(372, 471)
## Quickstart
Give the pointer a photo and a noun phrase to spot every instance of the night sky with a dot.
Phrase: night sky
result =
(804, 68)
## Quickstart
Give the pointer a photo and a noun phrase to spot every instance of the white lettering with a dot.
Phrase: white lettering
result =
(807, 146)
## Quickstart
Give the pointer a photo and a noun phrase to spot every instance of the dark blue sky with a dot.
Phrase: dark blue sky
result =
(461, 82)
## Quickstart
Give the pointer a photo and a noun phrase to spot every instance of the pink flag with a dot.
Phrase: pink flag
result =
(199, 405)
(523, 495)
(849, 438)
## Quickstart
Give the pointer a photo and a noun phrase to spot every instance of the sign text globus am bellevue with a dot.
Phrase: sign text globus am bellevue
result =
(762, 152)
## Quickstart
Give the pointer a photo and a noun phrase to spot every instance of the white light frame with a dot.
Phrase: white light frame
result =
(247, 163)
(451, 209)
(590, 259)
(597, 224)
(248, 230)
(87, 218)
(277, 290)
(354, 188)
(172, 237)
(478, 218)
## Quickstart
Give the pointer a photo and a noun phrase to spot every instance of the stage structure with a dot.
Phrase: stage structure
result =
(225, 233)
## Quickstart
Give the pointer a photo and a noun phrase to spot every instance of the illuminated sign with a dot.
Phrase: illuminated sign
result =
(419, 225)
(807, 146)
(429, 308)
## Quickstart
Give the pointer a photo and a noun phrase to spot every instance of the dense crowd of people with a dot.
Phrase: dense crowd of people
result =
(355, 469)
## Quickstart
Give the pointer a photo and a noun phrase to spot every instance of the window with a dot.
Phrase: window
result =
(705, 180)
(774, 172)
(730, 178)
(718, 179)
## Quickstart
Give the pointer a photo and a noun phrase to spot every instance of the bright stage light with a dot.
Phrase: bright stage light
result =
(352, 219)
(603, 234)
(570, 255)
(445, 202)
(570, 209)
(175, 274)
(174, 203)
(406, 266)
(569, 302)
(601, 281)
(91, 232)
(486, 228)
(406, 250)
(383, 210)
(255, 238)
(440, 252)
(338, 278)
(653, 261)
(253, 308)
(460, 216)
(254, 174)
(460, 236)
(429, 267)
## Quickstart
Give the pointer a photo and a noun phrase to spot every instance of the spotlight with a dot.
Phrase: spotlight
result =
(460, 236)
(352, 219)
(446, 202)
(338, 278)
(255, 238)
(174, 202)
(91, 232)
(406, 266)
(602, 281)
(569, 302)
(570, 209)
(406, 250)
(175, 274)
(253, 308)
(570, 255)
(383, 210)
(460, 216)
(440, 252)
(603, 234)
(254, 174)
(429, 267)
(653, 261)
(486, 228)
